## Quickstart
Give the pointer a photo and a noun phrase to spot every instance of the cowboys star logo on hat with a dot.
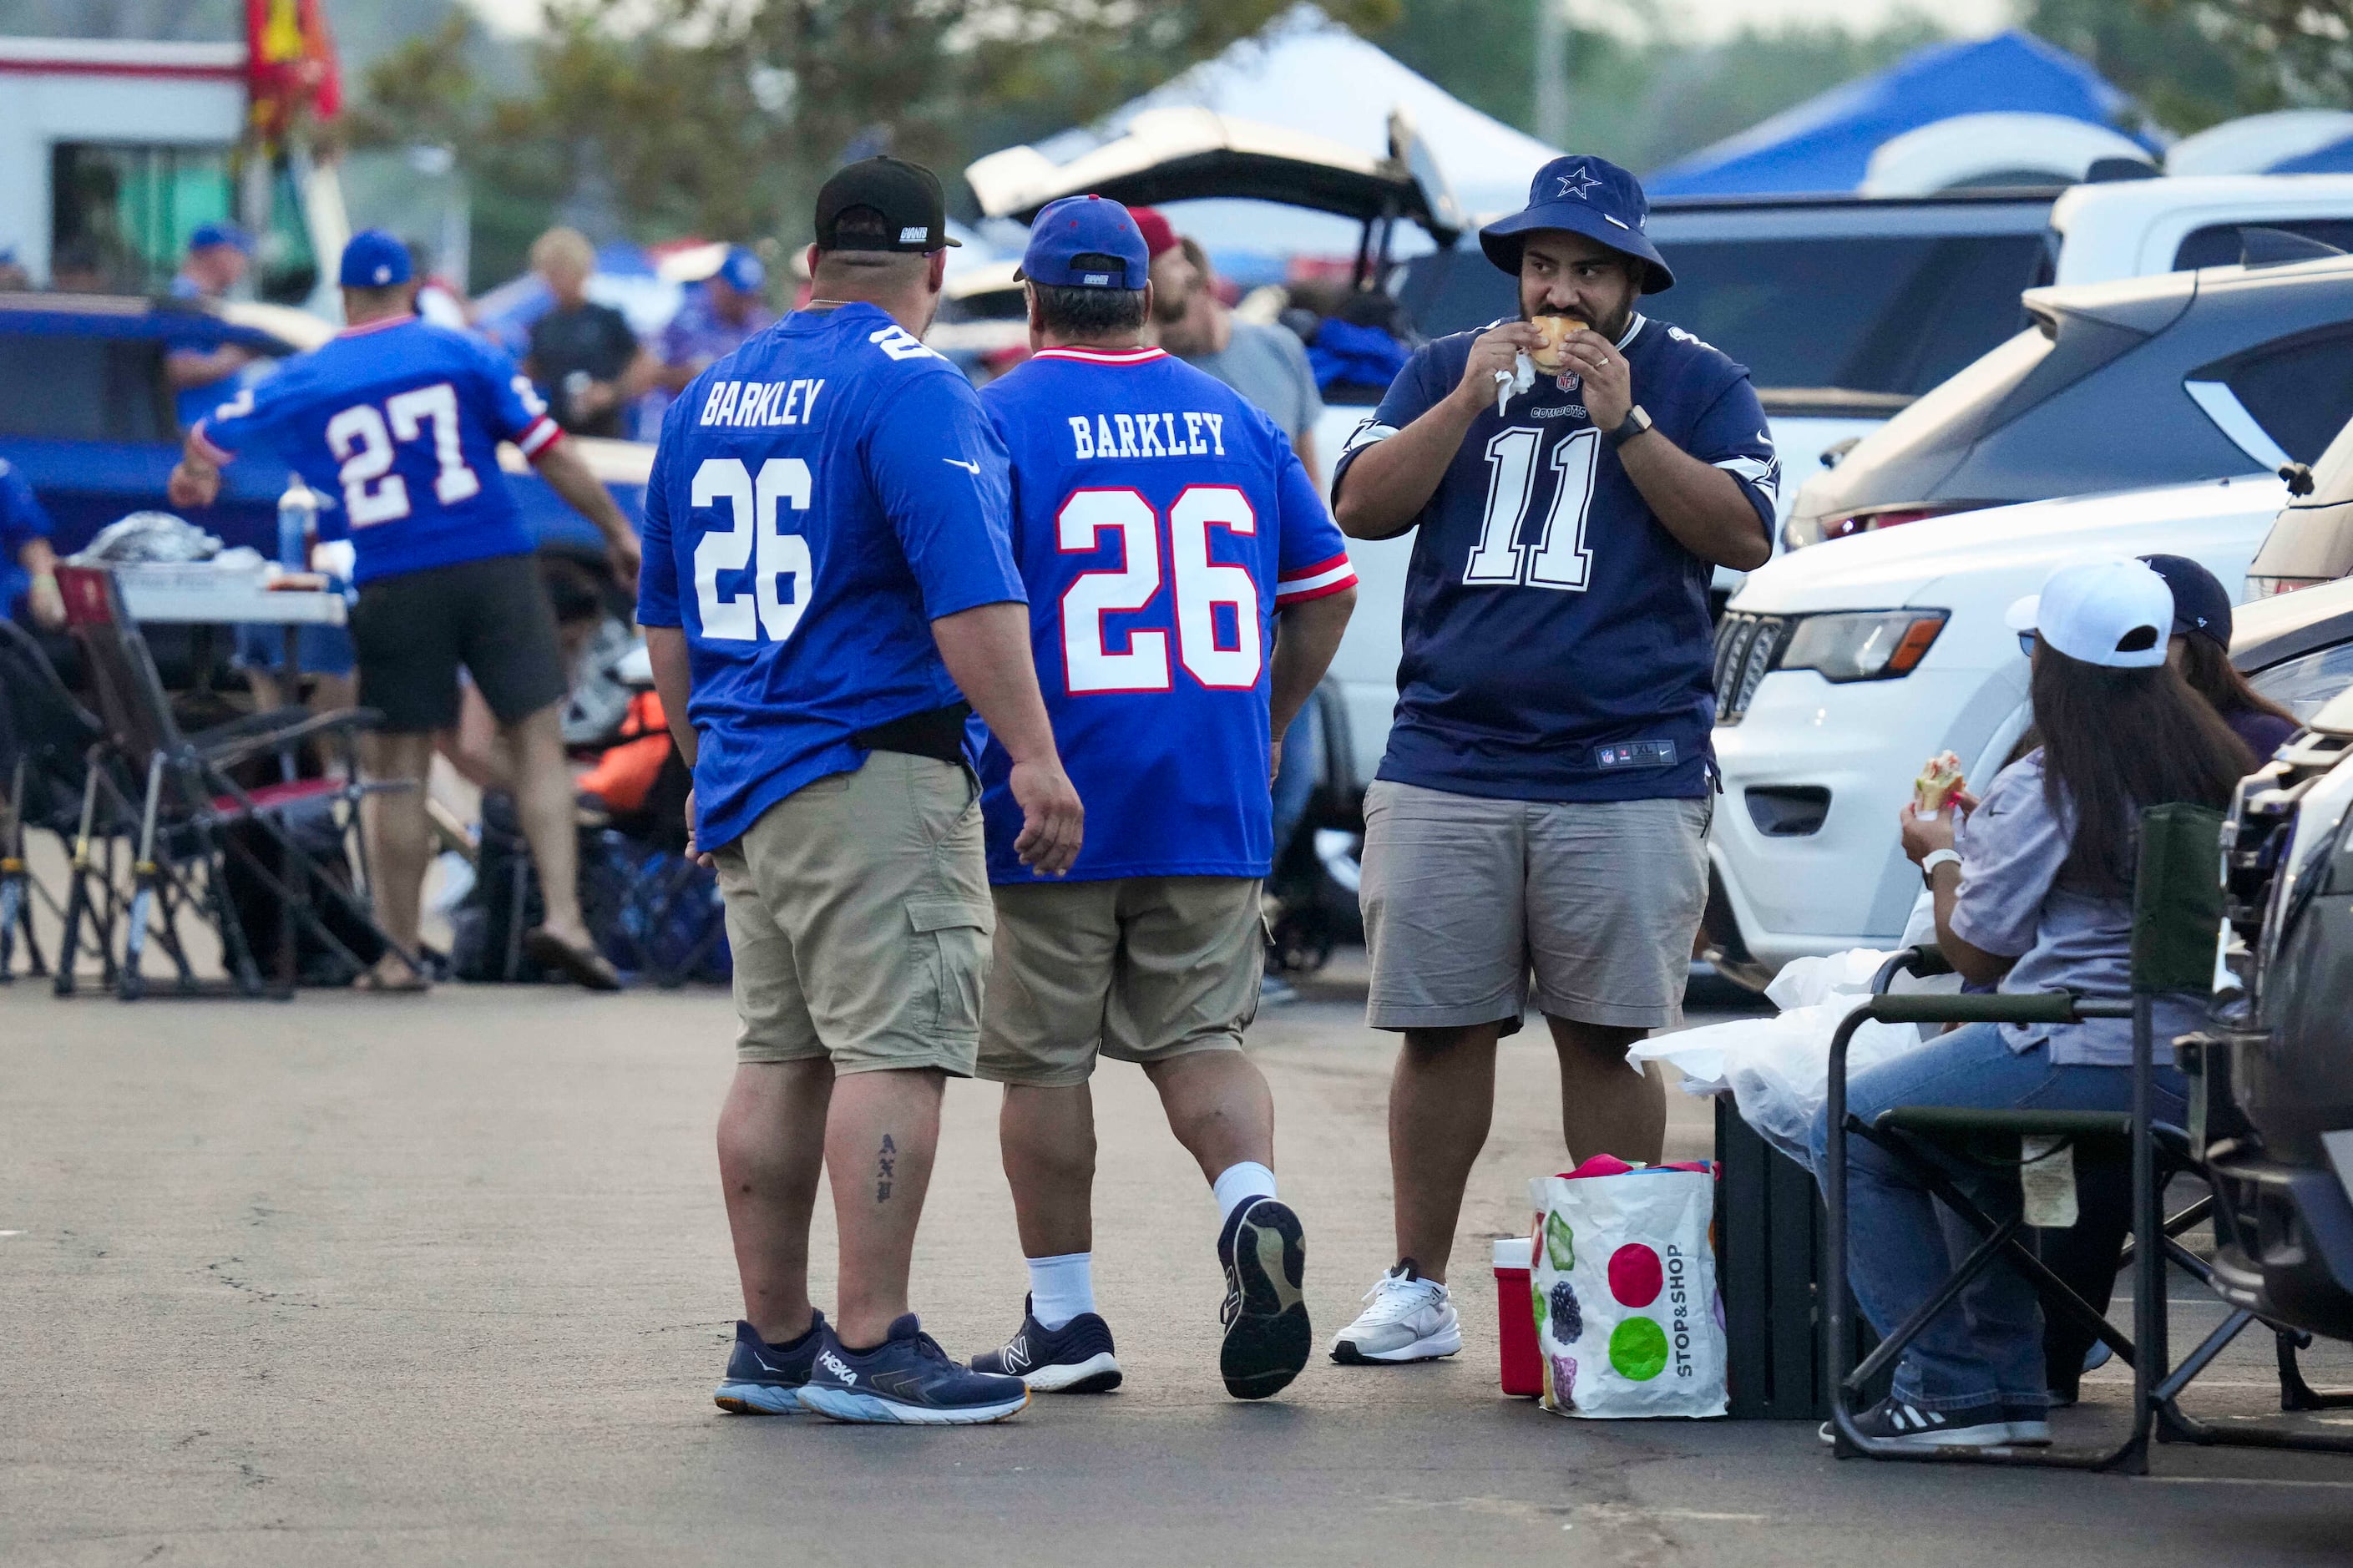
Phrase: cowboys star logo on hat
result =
(1576, 184)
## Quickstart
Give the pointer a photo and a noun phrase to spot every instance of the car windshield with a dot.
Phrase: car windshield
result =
(1865, 313)
(2301, 685)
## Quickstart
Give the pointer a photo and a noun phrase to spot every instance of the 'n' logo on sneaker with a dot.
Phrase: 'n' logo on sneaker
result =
(1016, 1354)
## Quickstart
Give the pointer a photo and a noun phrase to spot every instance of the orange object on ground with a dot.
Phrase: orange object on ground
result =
(625, 774)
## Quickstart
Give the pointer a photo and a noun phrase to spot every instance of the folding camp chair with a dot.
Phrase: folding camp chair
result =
(188, 800)
(45, 742)
(2176, 909)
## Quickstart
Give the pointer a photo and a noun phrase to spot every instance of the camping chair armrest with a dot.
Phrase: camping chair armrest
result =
(2015, 1007)
(238, 748)
(267, 720)
(1925, 962)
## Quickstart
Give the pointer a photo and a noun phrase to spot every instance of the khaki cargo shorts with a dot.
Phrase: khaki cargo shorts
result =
(1139, 969)
(859, 916)
(1465, 897)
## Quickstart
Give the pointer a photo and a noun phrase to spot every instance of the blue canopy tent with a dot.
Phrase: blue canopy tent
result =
(2337, 158)
(1825, 143)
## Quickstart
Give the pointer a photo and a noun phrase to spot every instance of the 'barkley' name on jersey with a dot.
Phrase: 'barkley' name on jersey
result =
(748, 402)
(1178, 435)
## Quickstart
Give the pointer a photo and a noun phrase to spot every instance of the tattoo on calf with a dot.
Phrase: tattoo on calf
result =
(886, 1163)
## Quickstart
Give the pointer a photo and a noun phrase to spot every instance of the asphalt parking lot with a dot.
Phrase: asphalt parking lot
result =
(445, 1279)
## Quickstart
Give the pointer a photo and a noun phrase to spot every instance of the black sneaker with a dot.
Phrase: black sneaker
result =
(1983, 1425)
(1265, 1257)
(1074, 1358)
(908, 1381)
(764, 1379)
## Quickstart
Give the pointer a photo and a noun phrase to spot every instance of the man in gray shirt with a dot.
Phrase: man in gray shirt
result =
(1267, 365)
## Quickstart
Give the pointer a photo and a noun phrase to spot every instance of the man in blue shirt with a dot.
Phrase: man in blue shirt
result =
(28, 567)
(717, 316)
(1164, 528)
(219, 257)
(828, 595)
(1544, 800)
(398, 422)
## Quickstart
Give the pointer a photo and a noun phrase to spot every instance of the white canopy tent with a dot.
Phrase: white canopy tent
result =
(1306, 72)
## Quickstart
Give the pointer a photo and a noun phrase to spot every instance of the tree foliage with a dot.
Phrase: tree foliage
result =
(697, 116)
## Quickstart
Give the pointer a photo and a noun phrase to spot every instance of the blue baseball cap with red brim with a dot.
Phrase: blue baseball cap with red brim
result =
(1588, 195)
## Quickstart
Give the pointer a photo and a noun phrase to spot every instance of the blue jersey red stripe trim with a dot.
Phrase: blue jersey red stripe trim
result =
(1104, 356)
(541, 434)
(206, 450)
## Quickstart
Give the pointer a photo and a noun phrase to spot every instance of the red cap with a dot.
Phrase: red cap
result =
(1158, 237)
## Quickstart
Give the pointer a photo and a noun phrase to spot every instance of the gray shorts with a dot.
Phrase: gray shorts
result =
(1465, 897)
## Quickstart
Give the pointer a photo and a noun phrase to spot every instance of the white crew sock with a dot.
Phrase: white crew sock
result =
(1238, 1185)
(1061, 1287)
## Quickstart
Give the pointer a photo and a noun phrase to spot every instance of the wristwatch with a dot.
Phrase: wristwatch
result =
(1934, 859)
(1637, 421)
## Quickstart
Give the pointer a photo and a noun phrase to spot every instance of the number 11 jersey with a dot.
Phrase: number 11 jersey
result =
(1159, 523)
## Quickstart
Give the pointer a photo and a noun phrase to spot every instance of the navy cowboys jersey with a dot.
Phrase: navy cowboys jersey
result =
(1557, 642)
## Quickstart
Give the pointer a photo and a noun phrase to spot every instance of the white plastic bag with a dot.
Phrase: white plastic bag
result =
(1627, 1315)
(1776, 1069)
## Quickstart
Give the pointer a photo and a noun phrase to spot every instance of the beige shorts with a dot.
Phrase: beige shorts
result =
(1465, 897)
(1139, 969)
(858, 915)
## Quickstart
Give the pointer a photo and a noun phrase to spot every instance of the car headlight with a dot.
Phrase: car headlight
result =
(1865, 645)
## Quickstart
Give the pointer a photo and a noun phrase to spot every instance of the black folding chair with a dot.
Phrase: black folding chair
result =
(2177, 910)
(46, 741)
(187, 801)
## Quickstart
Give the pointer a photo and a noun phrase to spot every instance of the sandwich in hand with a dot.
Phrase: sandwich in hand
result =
(1547, 356)
(1938, 783)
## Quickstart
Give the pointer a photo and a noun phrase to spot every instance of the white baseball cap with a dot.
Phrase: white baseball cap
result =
(2112, 612)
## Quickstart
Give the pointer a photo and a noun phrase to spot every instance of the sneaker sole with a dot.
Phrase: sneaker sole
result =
(1348, 1354)
(1268, 1340)
(758, 1399)
(1990, 1435)
(872, 1409)
(1099, 1374)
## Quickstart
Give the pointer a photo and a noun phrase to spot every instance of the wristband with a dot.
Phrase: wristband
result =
(1936, 858)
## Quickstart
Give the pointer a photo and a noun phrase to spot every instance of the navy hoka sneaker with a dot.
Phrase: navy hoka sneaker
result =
(764, 1379)
(1074, 1358)
(907, 1380)
(1265, 1257)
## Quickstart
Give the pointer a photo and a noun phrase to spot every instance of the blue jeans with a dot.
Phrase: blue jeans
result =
(1902, 1244)
(1294, 782)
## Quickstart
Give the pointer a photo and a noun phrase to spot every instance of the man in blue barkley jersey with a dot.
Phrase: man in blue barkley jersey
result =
(1544, 800)
(1166, 531)
(398, 423)
(828, 595)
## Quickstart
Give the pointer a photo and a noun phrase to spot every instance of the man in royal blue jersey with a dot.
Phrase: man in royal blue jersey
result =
(398, 422)
(1544, 800)
(1166, 531)
(828, 595)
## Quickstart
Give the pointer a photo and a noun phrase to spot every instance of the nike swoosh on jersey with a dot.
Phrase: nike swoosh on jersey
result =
(974, 468)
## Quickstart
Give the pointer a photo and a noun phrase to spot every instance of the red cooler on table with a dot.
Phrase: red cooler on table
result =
(1515, 1317)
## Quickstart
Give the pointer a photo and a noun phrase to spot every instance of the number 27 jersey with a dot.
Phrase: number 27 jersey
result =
(1159, 523)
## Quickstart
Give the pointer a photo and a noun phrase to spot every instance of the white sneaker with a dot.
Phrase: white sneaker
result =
(1409, 1319)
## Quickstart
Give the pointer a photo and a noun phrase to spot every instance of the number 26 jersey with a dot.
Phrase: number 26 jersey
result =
(821, 497)
(1160, 522)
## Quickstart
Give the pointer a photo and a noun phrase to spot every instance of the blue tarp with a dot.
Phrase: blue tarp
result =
(1825, 143)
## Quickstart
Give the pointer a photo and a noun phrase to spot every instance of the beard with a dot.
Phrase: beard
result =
(1168, 311)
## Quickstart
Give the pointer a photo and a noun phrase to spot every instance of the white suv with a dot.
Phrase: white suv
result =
(1841, 669)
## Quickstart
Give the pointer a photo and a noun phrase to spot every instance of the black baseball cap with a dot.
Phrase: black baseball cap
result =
(914, 212)
(2200, 603)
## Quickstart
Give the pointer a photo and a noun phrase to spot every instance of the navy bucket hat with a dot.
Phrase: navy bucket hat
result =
(1587, 195)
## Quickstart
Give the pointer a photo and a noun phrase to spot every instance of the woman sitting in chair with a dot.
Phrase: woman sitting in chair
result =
(2033, 892)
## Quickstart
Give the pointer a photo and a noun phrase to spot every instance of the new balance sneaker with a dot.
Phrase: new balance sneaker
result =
(1074, 1358)
(763, 1379)
(1264, 1254)
(1408, 1319)
(1908, 1426)
(908, 1381)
